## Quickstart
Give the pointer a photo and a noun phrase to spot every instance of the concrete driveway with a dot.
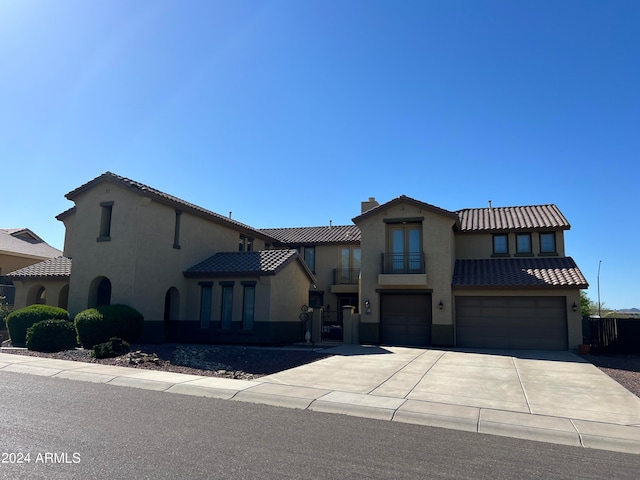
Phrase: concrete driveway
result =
(553, 384)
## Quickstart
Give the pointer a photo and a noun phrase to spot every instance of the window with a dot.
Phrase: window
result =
(310, 258)
(248, 305)
(349, 265)
(500, 244)
(226, 312)
(523, 243)
(206, 289)
(548, 242)
(405, 249)
(105, 221)
(316, 299)
(176, 231)
(245, 244)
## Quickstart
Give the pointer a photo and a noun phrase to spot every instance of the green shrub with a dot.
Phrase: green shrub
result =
(19, 321)
(97, 325)
(113, 348)
(51, 336)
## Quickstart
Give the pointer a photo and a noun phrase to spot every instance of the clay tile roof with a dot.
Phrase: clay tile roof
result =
(518, 272)
(512, 218)
(54, 267)
(22, 241)
(344, 234)
(163, 198)
(249, 264)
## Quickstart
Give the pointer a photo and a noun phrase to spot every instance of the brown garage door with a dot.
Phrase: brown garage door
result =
(406, 319)
(511, 322)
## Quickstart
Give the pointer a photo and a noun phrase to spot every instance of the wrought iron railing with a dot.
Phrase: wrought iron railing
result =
(346, 276)
(403, 263)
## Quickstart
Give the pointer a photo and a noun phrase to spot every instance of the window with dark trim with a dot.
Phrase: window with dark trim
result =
(316, 299)
(206, 290)
(523, 243)
(501, 244)
(310, 258)
(226, 307)
(176, 230)
(245, 244)
(248, 304)
(548, 243)
(106, 209)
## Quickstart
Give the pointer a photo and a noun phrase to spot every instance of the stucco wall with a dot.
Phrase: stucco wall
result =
(438, 246)
(480, 245)
(10, 263)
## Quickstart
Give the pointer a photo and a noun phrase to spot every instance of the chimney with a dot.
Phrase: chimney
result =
(368, 205)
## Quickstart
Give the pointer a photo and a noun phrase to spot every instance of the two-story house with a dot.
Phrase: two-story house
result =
(416, 274)
(488, 277)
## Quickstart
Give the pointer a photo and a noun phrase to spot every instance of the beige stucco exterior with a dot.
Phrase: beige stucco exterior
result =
(152, 241)
(438, 247)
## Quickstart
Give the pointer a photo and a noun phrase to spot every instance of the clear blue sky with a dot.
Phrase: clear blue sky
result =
(290, 113)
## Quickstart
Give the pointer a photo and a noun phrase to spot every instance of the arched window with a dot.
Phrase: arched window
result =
(99, 292)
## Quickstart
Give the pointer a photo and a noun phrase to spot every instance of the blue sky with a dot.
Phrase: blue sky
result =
(290, 113)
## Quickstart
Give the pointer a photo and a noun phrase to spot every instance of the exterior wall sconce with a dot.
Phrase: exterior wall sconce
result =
(574, 307)
(367, 306)
(441, 305)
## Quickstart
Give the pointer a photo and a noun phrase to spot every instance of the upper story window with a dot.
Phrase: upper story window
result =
(106, 209)
(245, 244)
(523, 243)
(176, 230)
(501, 244)
(404, 249)
(350, 261)
(548, 243)
(310, 258)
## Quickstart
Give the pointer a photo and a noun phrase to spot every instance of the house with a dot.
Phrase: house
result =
(405, 273)
(486, 277)
(20, 247)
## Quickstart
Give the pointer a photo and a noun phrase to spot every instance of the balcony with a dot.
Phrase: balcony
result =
(346, 276)
(402, 263)
(403, 269)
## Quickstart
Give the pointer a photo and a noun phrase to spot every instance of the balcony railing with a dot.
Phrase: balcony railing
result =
(346, 276)
(402, 263)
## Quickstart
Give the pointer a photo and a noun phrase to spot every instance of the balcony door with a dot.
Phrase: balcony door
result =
(405, 248)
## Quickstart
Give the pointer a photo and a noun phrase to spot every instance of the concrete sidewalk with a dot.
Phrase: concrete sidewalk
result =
(552, 397)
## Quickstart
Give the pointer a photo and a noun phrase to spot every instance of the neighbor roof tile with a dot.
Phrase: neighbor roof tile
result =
(54, 267)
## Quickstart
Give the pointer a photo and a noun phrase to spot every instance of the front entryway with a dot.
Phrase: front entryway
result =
(512, 322)
(406, 319)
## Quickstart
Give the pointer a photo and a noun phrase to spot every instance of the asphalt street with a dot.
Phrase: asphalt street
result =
(73, 429)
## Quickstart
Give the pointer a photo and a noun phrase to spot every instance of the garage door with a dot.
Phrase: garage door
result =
(511, 322)
(406, 319)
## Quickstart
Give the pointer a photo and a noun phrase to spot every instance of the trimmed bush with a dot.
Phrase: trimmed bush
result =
(19, 321)
(98, 325)
(51, 336)
(113, 348)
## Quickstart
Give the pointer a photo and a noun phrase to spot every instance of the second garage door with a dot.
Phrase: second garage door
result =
(511, 322)
(406, 319)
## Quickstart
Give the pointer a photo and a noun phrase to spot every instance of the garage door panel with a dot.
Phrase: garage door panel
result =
(406, 319)
(511, 322)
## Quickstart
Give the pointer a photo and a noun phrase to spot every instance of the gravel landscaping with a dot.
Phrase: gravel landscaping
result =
(245, 363)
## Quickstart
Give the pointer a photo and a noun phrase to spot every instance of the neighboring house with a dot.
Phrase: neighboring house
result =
(19, 248)
(415, 274)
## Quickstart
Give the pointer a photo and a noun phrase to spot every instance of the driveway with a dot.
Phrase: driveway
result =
(553, 384)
